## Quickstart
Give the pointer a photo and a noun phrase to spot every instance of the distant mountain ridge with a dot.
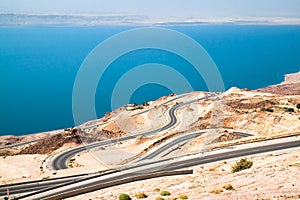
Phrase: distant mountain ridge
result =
(59, 19)
(127, 19)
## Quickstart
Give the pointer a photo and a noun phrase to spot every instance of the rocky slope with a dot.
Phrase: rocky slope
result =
(261, 114)
(268, 112)
(291, 86)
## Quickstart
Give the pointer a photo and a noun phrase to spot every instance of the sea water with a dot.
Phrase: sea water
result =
(38, 67)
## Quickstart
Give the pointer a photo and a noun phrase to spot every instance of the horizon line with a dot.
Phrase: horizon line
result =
(11, 18)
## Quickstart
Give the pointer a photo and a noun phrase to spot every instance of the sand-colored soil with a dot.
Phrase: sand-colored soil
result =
(20, 168)
(273, 176)
(265, 113)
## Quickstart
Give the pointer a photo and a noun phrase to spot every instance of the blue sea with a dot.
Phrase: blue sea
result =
(38, 66)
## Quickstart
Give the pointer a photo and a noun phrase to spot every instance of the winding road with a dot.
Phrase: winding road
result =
(71, 189)
(60, 161)
(74, 185)
(181, 141)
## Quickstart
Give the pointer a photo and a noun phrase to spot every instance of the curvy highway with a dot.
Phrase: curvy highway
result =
(32, 186)
(60, 161)
(71, 189)
(71, 186)
(139, 113)
(181, 141)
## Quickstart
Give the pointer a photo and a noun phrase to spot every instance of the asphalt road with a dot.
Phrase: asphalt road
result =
(20, 144)
(44, 187)
(21, 187)
(233, 154)
(139, 113)
(181, 140)
(39, 185)
(163, 165)
(164, 103)
(60, 161)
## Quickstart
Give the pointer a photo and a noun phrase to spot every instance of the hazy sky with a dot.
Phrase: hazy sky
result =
(159, 8)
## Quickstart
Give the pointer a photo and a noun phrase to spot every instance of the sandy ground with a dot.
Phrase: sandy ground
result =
(112, 156)
(273, 176)
(20, 168)
(27, 168)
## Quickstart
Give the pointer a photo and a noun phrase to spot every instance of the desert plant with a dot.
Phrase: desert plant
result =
(124, 197)
(183, 196)
(5, 198)
(228, 187)
(267, 110)
(145, 103)
(287, 109)
(216, 191)
(165, 193)
(159, 198)
(141, 195)
(298, 106)
(156, 190)
(241, 165)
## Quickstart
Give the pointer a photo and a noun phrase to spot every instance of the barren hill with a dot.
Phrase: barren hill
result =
(291, 86)
(265, 114)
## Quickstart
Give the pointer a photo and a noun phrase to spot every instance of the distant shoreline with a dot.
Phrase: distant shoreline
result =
(17, 19)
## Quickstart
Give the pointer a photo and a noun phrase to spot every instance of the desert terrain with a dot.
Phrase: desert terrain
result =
(263, 114)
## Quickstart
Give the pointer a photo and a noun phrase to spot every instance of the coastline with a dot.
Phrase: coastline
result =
(290, 86)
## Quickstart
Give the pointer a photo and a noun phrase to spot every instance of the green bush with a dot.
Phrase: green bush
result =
(228, 187)
(241, 165)
(159, 198)
(124, 197)
(141, 195)
(165, 193)
(289, 109)
(183, 196)
(267, 110)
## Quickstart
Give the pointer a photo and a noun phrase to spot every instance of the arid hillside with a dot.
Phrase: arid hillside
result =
(237, 116)
(291, 86)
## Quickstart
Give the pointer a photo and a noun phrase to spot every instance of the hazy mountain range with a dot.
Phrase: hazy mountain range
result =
(120, 19)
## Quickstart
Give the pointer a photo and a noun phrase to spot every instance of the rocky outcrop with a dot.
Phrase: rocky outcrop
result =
(50, 144)
(292, 78)
(283, 89)
(290, 86)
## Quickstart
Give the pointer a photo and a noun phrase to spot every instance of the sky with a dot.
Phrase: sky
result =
(159, 8)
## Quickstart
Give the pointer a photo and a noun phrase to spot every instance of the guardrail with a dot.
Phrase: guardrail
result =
(118, 182)
(42, 180)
